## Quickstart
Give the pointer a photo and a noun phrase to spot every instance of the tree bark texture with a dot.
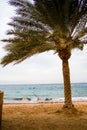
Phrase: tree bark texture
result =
(65, 55)
(67, 85)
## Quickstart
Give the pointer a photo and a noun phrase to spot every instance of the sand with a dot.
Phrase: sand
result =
(43, 116)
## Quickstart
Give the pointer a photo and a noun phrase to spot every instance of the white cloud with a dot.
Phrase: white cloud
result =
(42, 68)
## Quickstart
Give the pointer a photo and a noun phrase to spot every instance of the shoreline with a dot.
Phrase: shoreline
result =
(44, 102)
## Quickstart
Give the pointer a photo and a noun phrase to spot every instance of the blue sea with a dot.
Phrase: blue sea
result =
(34, 93)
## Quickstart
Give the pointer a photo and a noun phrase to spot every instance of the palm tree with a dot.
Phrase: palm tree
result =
(58, 25)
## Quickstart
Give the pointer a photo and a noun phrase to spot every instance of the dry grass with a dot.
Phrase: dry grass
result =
(43, 117)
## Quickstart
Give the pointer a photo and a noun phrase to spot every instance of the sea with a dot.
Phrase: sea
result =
(39, 93)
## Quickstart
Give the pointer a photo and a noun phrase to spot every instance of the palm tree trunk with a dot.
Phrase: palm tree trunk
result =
(67, 85)
(65, 55)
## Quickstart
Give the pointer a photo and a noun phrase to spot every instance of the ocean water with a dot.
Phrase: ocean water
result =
(33, 93)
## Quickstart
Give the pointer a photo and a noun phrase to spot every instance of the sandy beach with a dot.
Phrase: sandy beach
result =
(43, 116)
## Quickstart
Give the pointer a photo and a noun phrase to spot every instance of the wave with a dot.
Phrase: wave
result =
(41, 100)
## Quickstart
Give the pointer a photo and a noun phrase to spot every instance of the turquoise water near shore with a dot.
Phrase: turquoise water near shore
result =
(33, 93)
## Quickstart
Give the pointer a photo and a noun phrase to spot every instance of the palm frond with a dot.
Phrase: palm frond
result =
(83, 33)
(21, 53)
(45, 25)
(62, 13)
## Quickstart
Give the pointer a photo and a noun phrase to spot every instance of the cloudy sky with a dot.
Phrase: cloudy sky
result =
(42, 68)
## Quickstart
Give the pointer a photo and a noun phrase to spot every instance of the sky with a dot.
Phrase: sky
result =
(41, 68)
